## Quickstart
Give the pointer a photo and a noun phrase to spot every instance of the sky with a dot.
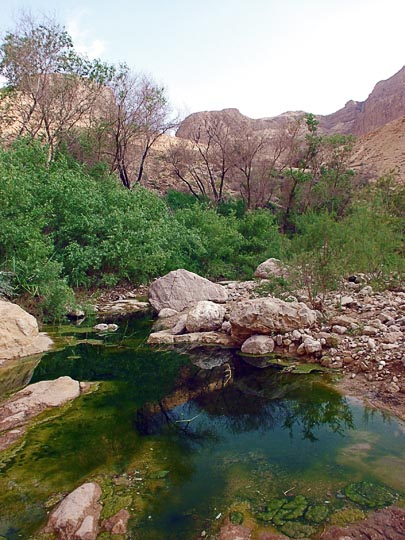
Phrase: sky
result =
(263, 57)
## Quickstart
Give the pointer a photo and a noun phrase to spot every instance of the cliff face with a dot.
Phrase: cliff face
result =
(385, 104)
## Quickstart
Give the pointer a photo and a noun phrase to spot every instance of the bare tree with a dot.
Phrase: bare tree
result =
(204, 161)
(50, 88)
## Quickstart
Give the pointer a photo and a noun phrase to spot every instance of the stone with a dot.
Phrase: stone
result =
(258, 344)
(181, 289)
(102, 327)
(205, 316)
(19, 334)
(271, 268)
(366, 291)
(392, 337)
(340, 330)
(268, 315)
(180, 325)
(118, 523)
(370, 330)
(76, 517)
(125, 306)
(312, 345)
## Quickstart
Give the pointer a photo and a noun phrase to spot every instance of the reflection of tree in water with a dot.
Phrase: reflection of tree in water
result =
(256, 400)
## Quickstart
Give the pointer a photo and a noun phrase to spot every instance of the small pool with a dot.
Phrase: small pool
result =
(183, 440)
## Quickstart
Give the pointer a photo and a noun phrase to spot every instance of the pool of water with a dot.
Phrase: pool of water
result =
(183, 440)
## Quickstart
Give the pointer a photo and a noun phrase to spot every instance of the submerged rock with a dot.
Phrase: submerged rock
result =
(118, 523)
(180, 289)
(30, 402)
(234, 532)
(19, 334)
(76, 518)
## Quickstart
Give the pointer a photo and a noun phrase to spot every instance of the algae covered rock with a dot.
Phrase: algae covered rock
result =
(370, 495)
(291, 510)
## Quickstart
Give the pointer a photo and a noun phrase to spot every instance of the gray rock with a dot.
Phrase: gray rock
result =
(271, 268)
(205, 316)
(258, 344)
(180, 289)
(268, 315)
(312, 345)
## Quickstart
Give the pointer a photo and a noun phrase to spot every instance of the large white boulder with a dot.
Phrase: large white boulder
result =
(181, 289)
(19, 334)
(205, 316)
(77, 516)
(269, 315)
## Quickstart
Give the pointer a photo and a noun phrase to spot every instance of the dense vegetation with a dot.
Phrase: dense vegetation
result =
(62, 228)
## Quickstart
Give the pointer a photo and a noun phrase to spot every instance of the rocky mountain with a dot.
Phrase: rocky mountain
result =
(378, 123)
(385, 104)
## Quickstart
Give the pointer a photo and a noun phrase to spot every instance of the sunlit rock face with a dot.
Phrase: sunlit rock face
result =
(181, 289)
(19, 334)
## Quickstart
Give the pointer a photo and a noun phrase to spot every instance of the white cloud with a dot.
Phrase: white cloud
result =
(78, 30)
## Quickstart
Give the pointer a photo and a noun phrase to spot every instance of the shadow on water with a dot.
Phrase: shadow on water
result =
(203, 430)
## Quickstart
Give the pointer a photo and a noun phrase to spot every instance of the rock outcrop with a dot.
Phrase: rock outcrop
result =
(269, 315)
(77, 516)
(30, 402)
(181, 289)
(19, 334)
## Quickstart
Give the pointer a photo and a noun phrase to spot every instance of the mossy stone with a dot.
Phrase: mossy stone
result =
(369, 495)
(291, 510)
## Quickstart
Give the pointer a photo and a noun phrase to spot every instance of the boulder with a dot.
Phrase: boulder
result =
(268, 315)
(19, 334)
(271, 268)
(34, 399)
(205, 316)
(258, 345)
(181, 289)
(76, 517)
